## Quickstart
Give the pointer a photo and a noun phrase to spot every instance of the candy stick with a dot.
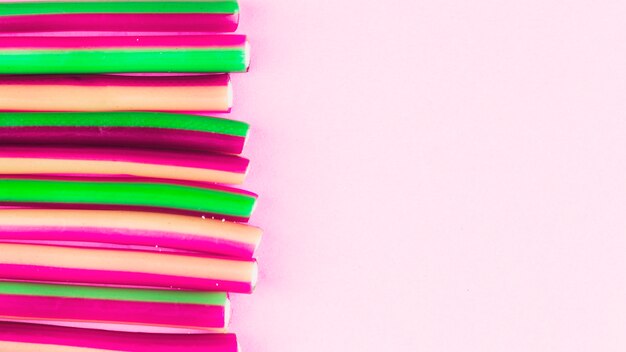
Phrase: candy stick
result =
(124, 129)
(122, 161)
(100, 54)
(16, 337)
(133, 193)
(153, 329)
(108, 16)
(21, 301)
(115, 93)
(25, 262)
(131, 228)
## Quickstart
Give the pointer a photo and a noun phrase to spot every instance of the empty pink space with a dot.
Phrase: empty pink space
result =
(436, 175)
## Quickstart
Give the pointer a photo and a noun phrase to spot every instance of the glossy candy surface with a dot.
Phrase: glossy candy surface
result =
(16, 337)
(124, 129)
(115, 93)
(154, 231)
(21, 301)
(210, 53)
(124, 16)
(124, 193)
(24, 262)
(37, 160)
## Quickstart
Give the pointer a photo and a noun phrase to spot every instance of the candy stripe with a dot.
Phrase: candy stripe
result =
(128, 261)
(137, 137)
(54, 98)
(131, 228)
(17, 337)
(212, 80)
(190, 160)
(34, 347)
(121, 22)
(108, 277)
(126, 119)
(120, 161)
(188, 316)
(132, 179)
(96, 93)
(123, 267)
(81, 7)
(153, 329)
(79, 55)
(122, 61)
(111, 0)
(99, 192)
(130, 42)
(124, 129)
(114, 293)
(54, 1)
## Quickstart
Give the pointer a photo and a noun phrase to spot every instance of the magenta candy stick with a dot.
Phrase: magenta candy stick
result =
(42, 338)
(139, 137)
(120, 23)
(104, 16)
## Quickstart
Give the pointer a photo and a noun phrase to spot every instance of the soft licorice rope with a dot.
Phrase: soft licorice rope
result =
(126, 193)
(35, 160)
(42, 338)
(155, 231)
(106, 16)
(208, 53)
(193, 93)
(20, 301)
(124, 129)
(26, 262)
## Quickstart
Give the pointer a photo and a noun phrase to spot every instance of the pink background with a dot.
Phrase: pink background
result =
(437, 175)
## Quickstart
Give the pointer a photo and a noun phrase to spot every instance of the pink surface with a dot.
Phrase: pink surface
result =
(461, 163)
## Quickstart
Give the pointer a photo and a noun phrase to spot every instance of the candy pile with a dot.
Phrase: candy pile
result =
(120, 227)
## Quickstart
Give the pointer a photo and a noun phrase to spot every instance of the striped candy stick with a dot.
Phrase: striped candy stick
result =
(124, 54)
(176, 165)
(41, 338)
(197, 93)
(124, 129)
(25, 262)
(124, 16)
(126, 193)
(169, 310)
(129, 229)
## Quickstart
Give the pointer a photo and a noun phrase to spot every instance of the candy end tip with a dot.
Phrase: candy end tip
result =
(255, 276)
(228, 310)
(229, 93)
(258, 235)
(247, 55)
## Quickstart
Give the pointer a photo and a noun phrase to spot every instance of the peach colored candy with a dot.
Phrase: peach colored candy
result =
(115, 93)
(124, 267)
(191, 233)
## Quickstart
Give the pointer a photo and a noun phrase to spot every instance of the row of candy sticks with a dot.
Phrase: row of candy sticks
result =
(120, 228)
